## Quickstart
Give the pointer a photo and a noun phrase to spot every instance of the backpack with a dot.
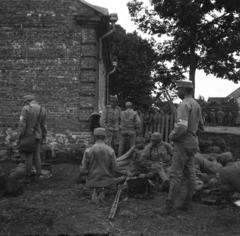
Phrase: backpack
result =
(140, 188)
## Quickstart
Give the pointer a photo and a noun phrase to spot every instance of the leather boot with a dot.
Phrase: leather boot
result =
(25, 180)
(167, 209)
(102, 194)
(165, 185)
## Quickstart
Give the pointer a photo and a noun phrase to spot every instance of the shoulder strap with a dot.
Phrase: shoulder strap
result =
(38, 119)
(39, 114)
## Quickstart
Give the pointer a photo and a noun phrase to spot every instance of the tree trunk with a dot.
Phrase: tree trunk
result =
(192, 66)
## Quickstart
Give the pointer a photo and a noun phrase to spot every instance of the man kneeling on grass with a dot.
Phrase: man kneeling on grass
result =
(99, 165)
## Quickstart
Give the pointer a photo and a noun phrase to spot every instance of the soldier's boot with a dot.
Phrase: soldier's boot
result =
(186, 205)
(167, 209)
(25, 180)
(165, 181)
(94, 196)
(102, 194)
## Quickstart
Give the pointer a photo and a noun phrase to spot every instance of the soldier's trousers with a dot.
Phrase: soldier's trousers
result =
(182, 166)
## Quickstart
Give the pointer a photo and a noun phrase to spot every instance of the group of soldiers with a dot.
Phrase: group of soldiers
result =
(105, 164)
(158, 159)
(220, 118)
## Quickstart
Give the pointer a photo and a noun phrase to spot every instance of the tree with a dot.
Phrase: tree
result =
(138, 69)
(199, 34)
(134, 78)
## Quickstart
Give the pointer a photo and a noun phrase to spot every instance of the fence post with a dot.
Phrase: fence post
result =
(166, 128)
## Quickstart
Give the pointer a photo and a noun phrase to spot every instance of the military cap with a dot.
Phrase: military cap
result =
(128, 104)
(100, 131)
(184, 84)
(225, 158)
(113, 98)
(28, 98)
(156, 136)
(140, 139)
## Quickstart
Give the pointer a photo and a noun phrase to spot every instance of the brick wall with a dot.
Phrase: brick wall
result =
(44, 51)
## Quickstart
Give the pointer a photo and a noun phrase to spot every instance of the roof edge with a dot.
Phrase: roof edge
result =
(102, 10)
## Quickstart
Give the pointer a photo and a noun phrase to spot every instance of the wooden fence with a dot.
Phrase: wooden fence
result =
(164, 125)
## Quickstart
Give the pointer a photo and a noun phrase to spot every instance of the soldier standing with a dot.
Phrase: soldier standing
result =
(32, 120)
(130, 126)
(110, 120)
(184, 136)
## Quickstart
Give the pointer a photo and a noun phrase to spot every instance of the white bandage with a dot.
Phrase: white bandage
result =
(183, 122)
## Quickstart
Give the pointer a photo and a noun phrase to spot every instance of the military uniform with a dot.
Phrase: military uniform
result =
(99, 163)
(230, 177)
(130, 123)
(220, 116)
(28, 121)
(110, 120)
(184, 136)
(157, 160)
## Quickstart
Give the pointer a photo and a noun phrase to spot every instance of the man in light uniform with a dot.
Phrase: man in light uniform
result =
(130, 125)
(110, 120)
(184, 136)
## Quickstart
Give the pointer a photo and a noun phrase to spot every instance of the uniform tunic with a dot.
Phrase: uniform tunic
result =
(111, 118)
(99, 162)
(184, 136)
(130, 123)
(28, 121)
(161, 153)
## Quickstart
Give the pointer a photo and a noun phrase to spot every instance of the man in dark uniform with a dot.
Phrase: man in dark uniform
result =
(27, 125)
(184, 137)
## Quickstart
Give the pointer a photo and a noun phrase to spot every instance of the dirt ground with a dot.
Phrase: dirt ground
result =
(56, 207)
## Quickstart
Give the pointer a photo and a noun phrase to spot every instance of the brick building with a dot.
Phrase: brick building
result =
(59, 51)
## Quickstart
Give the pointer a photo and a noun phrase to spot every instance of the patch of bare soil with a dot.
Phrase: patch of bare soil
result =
(55, 207)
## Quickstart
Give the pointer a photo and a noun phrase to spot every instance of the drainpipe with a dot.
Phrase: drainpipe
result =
(113, 20)
(111, 72)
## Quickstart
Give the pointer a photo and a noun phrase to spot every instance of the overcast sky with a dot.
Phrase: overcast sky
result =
(207, 86)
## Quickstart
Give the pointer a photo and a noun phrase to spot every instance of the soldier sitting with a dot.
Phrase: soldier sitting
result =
(222, 147)
(130, 161)
(156, 160)
(229, 176)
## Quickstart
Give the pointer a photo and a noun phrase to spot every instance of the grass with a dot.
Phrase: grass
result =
(55, 206)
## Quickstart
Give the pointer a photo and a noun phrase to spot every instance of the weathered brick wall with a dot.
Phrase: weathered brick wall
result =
(43, 51)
